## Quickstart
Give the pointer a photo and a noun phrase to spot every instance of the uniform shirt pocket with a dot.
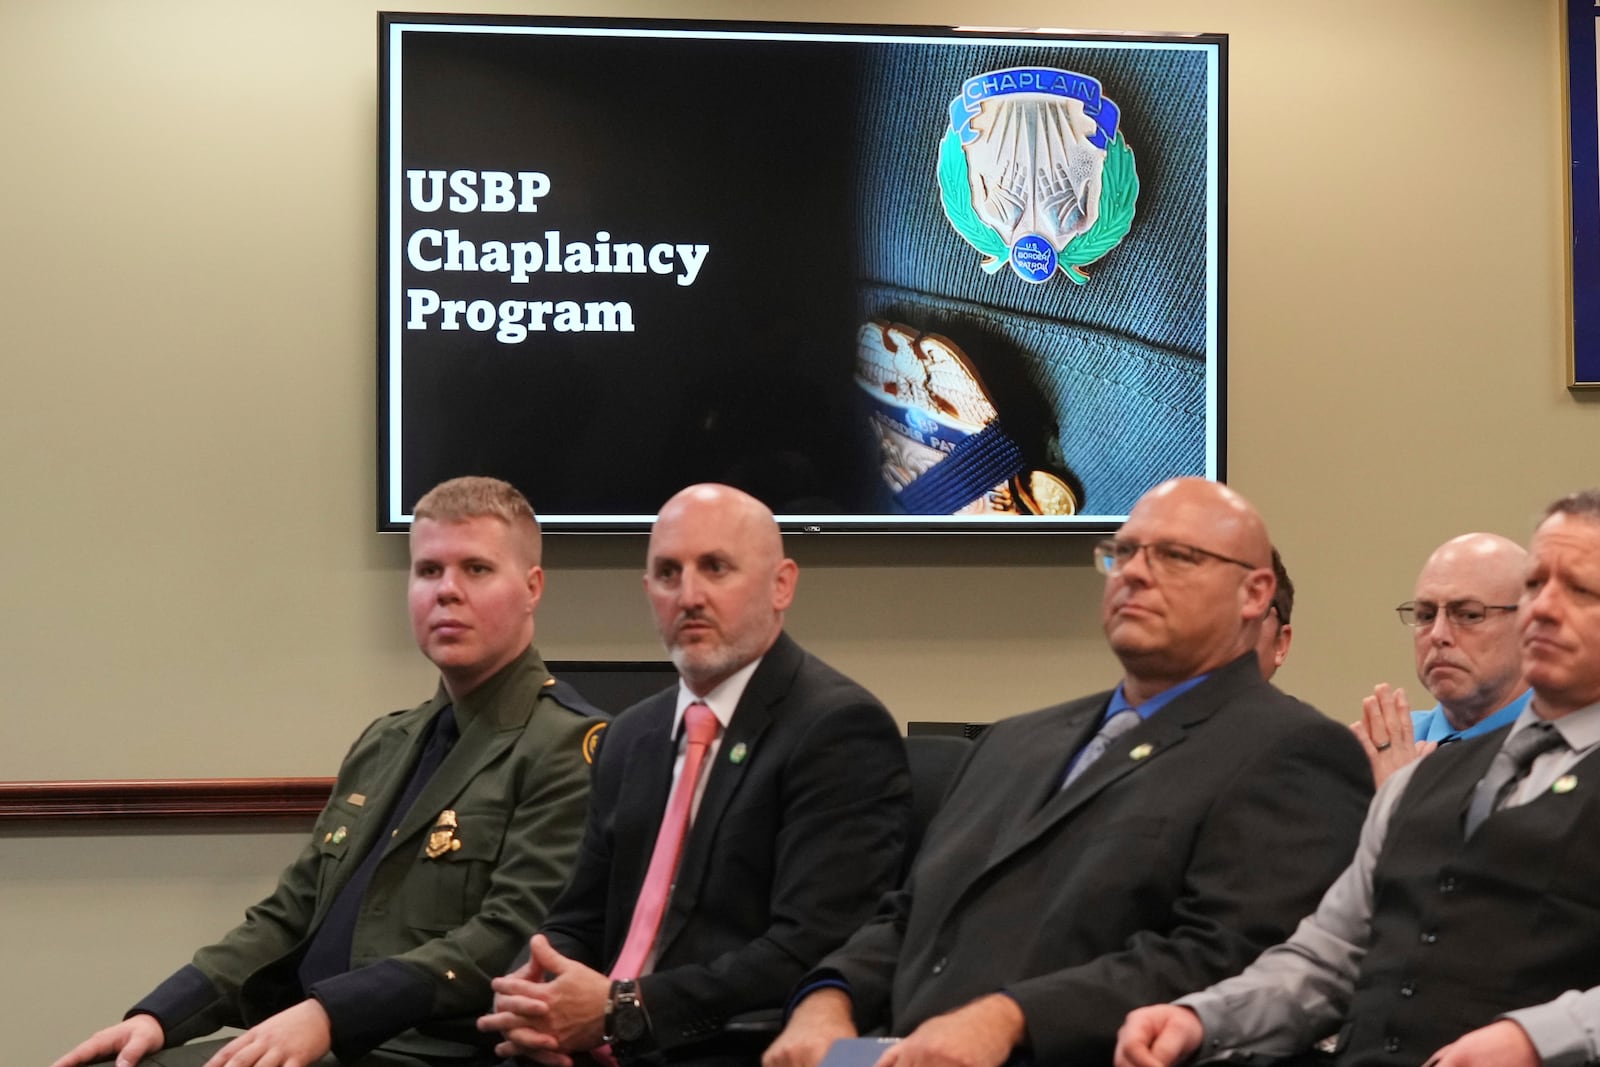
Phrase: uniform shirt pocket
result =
(332, 835)
(454, 866)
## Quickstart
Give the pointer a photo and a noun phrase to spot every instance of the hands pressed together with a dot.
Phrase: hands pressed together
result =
(1386, 734)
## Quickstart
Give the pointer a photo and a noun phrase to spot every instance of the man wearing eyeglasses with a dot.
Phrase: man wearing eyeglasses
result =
(1466, 931)
(1463, 618)
(1102, 853)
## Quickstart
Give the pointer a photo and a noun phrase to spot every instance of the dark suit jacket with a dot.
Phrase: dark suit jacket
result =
(1195, 842)
(435, 930)
(788, 853)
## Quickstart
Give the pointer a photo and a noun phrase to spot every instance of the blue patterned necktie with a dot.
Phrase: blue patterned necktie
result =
(1114, 727)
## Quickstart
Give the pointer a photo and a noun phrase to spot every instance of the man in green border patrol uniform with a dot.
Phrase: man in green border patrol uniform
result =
(450, 830)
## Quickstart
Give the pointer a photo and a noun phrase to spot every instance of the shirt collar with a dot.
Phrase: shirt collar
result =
(1119, 699)
(488, 693)
(1436, 724)
(1580, 730)
(723, 700)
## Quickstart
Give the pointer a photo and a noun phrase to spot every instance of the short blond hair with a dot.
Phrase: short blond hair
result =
(473, 497)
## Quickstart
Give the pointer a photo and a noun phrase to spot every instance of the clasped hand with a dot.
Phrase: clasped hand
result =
(549, 1008)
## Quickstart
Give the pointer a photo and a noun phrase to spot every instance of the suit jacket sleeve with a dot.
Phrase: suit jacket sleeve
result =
(576, 925)
(1298, 992)
(1266, 849)
(867, 961)
(204, 995)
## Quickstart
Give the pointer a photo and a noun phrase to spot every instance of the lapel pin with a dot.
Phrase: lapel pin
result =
(357, 799)
(338, 836)
(1141, 751)
(740, 751)
(1565, 784)
(442, 838)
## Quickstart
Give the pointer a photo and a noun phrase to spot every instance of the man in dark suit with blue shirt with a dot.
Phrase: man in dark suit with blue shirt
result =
(1092, 856)
(742, 824)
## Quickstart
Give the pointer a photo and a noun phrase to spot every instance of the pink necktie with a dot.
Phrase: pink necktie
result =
(700, 726)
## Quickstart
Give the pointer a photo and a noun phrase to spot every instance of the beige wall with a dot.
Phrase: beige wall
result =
(191, 587)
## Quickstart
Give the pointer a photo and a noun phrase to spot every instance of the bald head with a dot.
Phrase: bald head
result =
(1171, 613)
(747, 520)
(1230, 521)
(1472, 671)
(718, 581)
(1497, 559)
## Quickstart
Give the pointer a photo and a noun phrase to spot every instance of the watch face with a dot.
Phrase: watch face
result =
(630, 1021)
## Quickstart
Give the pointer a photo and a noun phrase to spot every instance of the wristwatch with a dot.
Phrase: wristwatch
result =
(627, 1025)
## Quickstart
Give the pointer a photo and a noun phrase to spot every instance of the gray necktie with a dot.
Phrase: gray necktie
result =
(1114, 727)
(1510, 764)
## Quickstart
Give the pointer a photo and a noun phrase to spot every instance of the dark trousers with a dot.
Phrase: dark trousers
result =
(198, 1052)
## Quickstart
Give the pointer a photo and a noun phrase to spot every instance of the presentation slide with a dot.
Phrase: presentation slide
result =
(882, 278)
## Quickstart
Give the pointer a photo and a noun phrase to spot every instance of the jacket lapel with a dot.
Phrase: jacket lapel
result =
(1042, 765)
(490, 718)
(644, 793)
(1132, 753)
(397, 752)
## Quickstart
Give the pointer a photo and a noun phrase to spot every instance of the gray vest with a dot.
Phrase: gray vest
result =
(1465, 930)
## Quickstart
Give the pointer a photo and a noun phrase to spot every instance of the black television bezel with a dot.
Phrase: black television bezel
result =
(555, 523)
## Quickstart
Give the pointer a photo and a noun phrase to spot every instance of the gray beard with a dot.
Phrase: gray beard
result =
(699, 668)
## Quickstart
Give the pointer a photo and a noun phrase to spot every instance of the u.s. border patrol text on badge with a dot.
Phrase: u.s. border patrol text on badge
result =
(1034, 172)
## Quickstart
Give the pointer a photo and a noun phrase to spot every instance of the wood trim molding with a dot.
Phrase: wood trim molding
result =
(164, 798)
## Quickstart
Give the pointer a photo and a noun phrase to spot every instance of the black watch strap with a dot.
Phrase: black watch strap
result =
(627, 1026)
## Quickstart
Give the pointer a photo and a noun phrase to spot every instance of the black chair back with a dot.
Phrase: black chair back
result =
(934, 759)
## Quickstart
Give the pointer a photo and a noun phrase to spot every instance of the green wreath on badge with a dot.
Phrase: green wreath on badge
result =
(1119, 189)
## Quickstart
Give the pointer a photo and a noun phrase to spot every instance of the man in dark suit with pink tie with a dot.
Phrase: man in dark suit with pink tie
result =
(741, 824)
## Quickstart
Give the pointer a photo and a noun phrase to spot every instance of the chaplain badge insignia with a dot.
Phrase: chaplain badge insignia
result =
(1034, 172)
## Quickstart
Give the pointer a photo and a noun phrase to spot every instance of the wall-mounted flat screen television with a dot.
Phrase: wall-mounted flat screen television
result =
(885, 278)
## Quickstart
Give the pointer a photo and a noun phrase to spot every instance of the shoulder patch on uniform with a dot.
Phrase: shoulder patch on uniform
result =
(568, 697)
(591, 741)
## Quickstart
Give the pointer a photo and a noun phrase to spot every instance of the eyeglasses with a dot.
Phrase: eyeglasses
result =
(1168, 557)
(1464, 613)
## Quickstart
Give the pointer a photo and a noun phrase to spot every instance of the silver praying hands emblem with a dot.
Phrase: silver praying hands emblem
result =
(1032, 168)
